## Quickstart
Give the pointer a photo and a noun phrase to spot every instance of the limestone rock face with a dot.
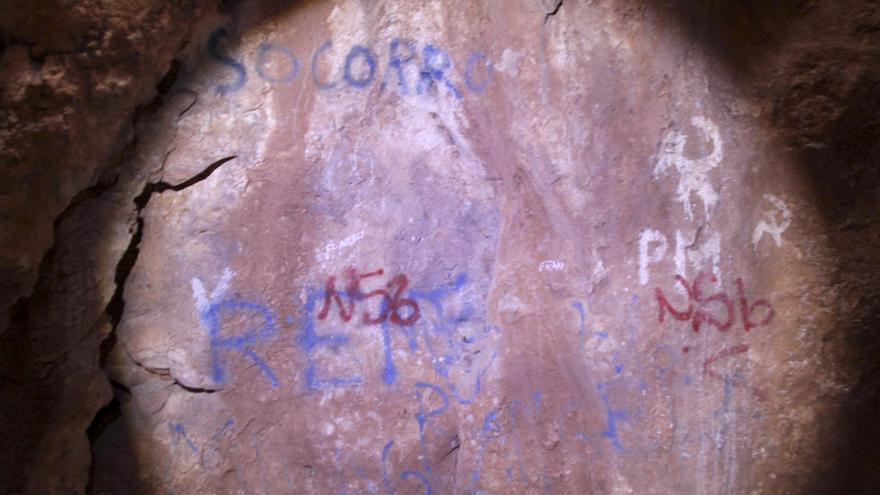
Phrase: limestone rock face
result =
(73, 77)
(460, 247)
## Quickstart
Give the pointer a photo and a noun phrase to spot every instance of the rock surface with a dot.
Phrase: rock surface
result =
(73, 78)
(424, 247)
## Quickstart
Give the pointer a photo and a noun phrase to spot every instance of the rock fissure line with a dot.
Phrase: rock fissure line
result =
(109, 178)
(116, 306)
(553, 12)
(126, 263)
(103, 184)
(166, 373)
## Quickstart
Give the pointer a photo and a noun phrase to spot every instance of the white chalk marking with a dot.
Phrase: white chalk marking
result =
(332, 248)
(693, 173)
(551, 266)
(646, 257)
(200, 295)
(709, 252)
(774, 227)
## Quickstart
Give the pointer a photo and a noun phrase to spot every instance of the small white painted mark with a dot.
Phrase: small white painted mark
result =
(509, 63)
(200, 294)
(332, 248)
(551, 266)
(774, 227)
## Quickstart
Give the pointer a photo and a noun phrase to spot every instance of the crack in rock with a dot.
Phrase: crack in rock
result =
(116, 306)
(159, 187)
(555, 10)
(126, 263)
(166, 373)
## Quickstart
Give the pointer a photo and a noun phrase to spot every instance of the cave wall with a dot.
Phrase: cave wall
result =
(440, 247)
(75, 76)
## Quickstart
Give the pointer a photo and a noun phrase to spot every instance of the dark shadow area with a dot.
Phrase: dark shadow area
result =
(33, 368)
(49, 380)
(736, 33)
(107, 424)
(819, 64)
(845, 175)
(47, 358)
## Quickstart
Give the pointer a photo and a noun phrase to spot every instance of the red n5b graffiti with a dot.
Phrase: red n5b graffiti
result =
(391, 304)
(702, 309)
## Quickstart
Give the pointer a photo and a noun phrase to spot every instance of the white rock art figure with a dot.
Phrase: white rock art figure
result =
(693, 173)
(774, 227)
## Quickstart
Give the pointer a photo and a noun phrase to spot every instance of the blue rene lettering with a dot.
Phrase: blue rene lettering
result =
(419, 476)
(491, 428)
(321, 49)
(443, 324)
(491, 424)
(386, 479)
(477, 87)
(465, 401)
(180, 430)
(433, 71)
(422, 416)
(311, 341)
(217, 54)
(612, 417)
(389, 371)
(242, 343)
(360, 51)
(262, 54)
(580, 309)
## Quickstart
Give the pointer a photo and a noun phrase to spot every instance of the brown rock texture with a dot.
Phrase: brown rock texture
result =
(344, 247)
(73, 77)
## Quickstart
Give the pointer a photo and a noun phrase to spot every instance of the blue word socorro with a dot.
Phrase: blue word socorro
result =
(360, 67)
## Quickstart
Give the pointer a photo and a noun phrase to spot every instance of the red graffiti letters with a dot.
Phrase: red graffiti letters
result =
(748, 309)
(735, 380)
(391, 305)
(707, 309)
